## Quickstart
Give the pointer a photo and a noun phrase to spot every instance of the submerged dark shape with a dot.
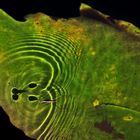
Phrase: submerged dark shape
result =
(105, 126)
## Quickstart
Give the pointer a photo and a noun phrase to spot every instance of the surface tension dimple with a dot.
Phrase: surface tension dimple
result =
(33, 98)
(15, 97)
(32, 85)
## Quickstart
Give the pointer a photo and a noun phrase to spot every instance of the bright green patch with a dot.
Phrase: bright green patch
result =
(85, 76)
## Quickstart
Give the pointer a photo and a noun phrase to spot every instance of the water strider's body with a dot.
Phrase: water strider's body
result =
(75, 79)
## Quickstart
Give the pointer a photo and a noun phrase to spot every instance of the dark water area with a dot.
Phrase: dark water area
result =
(118, 9)
(20, 8)
(127, 10)
(9, 131)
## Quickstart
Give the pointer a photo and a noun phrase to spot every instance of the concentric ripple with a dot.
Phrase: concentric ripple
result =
(37, 71)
